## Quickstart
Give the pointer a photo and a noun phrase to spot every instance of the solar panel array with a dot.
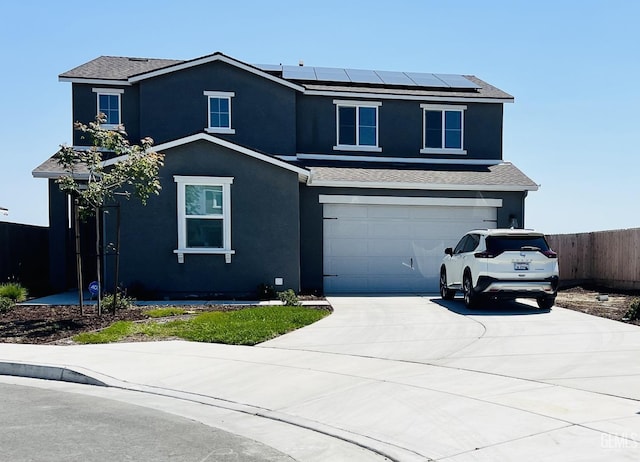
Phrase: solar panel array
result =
(369, 77)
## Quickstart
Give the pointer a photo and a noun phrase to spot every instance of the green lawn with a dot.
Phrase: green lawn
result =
(248, 326)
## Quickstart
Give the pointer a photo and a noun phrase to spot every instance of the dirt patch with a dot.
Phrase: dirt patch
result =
(598, 302)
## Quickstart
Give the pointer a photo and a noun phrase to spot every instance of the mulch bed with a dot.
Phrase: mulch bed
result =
(37, 324)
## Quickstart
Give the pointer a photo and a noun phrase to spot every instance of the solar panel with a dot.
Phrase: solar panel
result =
(395, 78)
(298, 73)
(363, 76)
(426, 80)
(330, 74)
(456, 81)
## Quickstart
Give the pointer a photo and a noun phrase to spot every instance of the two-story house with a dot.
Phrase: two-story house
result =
(311, 178)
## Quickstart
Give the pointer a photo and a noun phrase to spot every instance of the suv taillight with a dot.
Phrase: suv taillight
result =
(550, 254)
(485, 254)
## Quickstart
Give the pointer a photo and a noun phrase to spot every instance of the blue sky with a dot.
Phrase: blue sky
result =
(572, 66)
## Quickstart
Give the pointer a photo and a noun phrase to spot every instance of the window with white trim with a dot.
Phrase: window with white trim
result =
(204, 215)
(109, 103)
(443, 129)
(357, 126)
(219, 111)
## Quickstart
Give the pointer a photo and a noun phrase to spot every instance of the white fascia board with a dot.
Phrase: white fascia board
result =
(418, 186)
(404, 160)
(210, 59)
(403, 200)
(94, 81)
(448, 99)
(302, 173)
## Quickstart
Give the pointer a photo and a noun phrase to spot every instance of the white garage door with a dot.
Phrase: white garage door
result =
(376, 248)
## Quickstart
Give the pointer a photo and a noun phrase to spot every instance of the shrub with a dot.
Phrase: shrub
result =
(13, 291)
(122, 303)
(5, 304)
(289, 298)
(633, 313)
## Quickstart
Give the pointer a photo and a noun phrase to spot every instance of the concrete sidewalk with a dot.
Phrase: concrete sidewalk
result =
(408, 378)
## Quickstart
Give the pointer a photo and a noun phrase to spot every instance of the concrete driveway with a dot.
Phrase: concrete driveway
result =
(407, 378)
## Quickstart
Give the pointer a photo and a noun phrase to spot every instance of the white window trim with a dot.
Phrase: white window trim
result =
(225, 182)
(219, 94)
(357, 104)
(442, 108)
(109, 91)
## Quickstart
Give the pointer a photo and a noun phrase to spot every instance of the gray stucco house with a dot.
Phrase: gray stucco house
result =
(317, 179)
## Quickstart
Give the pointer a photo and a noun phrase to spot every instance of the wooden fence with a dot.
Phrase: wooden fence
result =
(607, 258)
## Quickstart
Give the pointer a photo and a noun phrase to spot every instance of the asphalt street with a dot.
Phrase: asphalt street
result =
(50, 425)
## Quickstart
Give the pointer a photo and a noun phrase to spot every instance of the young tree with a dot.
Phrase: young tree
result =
(94, 182)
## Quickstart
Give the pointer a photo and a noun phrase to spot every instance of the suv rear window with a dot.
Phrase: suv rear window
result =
(499, 244)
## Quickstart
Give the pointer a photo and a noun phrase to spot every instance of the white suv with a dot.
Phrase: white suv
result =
(500, 263)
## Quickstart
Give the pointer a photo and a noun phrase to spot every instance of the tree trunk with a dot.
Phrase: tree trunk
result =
(117, 263)
(98, 261)
(76, 217)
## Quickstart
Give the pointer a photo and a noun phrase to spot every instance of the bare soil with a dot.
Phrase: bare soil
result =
(598, 302)
(53, 324)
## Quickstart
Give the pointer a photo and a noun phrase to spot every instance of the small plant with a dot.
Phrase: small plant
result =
(123, 302)
(5, 304)
(13, 291)
(289, 298)
(633, 313)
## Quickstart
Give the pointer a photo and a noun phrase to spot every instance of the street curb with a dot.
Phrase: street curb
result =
(61, 374)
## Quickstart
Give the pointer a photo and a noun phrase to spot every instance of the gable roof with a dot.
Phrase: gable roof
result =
(51, 169)
(129, 70)
(302, 173)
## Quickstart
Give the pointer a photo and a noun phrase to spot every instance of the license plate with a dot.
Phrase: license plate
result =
(521, 266)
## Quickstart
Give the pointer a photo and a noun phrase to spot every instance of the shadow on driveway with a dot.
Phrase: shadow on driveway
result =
(490, 308)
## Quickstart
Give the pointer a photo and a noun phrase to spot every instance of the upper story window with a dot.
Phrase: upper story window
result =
(219, 111)
(204, 215)
(109, 104)
(357, 126)
(443, 129)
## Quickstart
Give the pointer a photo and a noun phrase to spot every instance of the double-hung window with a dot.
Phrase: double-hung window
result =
(109, 104)
(443, 129)
(219, 111)
(357, 126)
(204, 215)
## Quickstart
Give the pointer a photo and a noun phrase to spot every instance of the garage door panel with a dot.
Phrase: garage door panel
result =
(347, 248)
(392, 248)
(349, 266)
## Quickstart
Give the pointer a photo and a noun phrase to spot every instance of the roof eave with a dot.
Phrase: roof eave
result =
(421, 186)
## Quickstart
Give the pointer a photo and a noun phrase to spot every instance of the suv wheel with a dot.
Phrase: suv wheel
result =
(546, 303)
(470, 297)
(445, 292)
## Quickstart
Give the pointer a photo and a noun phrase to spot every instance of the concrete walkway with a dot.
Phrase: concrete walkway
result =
(407, 378)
